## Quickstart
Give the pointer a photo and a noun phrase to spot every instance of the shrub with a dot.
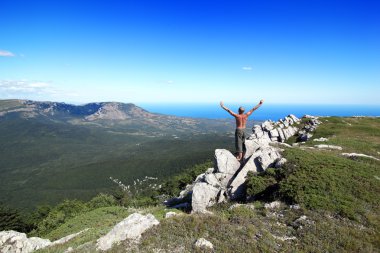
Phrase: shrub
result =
(102, 200)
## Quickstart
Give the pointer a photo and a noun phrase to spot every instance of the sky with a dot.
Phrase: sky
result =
(286, 52)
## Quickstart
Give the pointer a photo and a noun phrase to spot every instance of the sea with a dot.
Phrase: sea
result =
(265, 112)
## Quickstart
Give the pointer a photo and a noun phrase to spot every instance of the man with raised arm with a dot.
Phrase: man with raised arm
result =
(241, 121)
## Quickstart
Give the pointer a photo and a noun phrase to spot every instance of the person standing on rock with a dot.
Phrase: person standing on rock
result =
(241, 122)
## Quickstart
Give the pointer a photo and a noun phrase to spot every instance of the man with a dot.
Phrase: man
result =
(241, 121)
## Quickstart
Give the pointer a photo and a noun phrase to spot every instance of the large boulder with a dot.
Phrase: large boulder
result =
(226, 165)
(130, 228)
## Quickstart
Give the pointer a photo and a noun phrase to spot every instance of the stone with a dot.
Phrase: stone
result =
(267, 125)
(280, 162)
(210, 170)
(204, 195)
(203, 244)
(294, 118)
(273, 205)
(274, 133)
(130, 228)
(324, 146)
(13, 241)
(281, 136)
(267, 157)
(322, 139)
(68, 237)
(251, 147)
(354, 155)
(237, 187)
(248, 206)
(212, 180)
(170, 214)
(226, 162)
(304, 137)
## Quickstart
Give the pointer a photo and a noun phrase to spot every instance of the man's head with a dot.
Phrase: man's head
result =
(241, 110)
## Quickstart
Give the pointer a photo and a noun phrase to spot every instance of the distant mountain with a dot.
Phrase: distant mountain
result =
(109, 114)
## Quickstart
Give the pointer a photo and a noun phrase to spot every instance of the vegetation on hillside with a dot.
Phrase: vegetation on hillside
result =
(330, 203)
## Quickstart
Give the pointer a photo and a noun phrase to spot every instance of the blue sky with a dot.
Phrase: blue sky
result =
(317, 52)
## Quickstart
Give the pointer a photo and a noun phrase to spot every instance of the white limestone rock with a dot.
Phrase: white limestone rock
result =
(226, 162)
(130, 228)
(324, 146)
(273, 205)
(170, 214)
(204, 195)
(202, 243)
(353, 155)
(322, 139)
(13, 241)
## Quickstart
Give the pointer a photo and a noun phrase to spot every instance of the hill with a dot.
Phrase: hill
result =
(52, 151)
(320, 200)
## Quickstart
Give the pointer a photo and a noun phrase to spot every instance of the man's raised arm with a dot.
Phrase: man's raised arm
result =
(254, 108)
(228, 110)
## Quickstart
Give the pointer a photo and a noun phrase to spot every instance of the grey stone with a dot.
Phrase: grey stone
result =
(204, 195)
(130, 228)
(226, 162)
(203, 244)
(324, 146)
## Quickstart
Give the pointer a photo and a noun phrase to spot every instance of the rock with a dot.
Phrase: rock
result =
(249, 206)
(304, 137)
(280, 162)
(281, 136)
(226, 162)
(13, 241)
(267, 157)
(68, 238)
(294, 118)
(295, 207)
(322, 139)
(130, 228)
(210, 170)
(285, 238)
(324, 146)
(237, 186)
(353, 155)
(170, 214)
(203, 244)
(212, 180)
(204, 195)
(273, 205)
(251, 147)
(267, 125)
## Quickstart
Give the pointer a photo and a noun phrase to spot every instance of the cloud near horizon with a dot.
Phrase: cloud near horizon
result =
(26, 88)
(5, 53)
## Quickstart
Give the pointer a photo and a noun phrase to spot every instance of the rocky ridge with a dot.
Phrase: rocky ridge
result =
(226, 180)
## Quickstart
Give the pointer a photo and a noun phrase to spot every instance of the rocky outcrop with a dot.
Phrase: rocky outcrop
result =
(12, 241)
(130, 228)
(227, 179)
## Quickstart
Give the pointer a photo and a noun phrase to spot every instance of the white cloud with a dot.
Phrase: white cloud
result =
(169, 81)
(5, 53)
(247, 68)
(31, 89)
